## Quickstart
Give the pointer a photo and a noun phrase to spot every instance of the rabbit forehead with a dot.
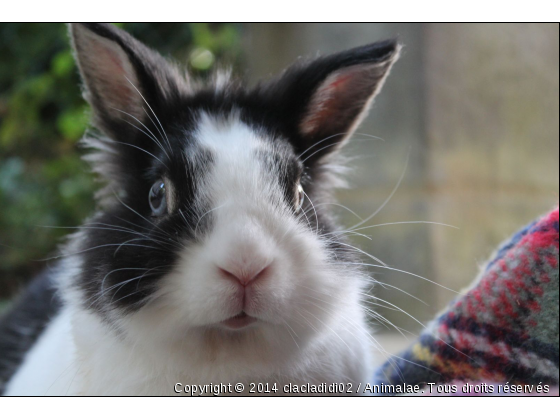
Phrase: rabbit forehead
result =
(227, 136)
(250, 166)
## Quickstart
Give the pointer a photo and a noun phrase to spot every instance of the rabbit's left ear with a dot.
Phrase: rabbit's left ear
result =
(326, 99)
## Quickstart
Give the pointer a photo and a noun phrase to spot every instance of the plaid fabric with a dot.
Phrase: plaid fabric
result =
(504, 328)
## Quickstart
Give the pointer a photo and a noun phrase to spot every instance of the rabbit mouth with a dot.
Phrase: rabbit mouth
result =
(239, 321)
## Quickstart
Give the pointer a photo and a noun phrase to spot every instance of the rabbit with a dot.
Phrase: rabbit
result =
(206, 261)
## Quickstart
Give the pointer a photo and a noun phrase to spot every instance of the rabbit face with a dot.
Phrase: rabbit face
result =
(213, 236)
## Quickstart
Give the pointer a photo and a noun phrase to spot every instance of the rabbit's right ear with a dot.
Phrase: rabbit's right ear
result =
(122, 77)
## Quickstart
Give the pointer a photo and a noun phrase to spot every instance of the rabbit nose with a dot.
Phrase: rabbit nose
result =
(244, 275)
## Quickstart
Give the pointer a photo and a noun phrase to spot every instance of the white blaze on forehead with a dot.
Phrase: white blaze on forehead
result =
(244, 199)
(227, 133)
(237, 172)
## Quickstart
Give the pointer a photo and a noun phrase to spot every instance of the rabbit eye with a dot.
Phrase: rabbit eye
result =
(157, 199)
(300, 196)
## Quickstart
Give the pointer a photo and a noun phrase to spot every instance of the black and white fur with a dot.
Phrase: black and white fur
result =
(155, 297)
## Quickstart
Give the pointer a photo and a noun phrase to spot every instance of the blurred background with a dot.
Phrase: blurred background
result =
(474, 106)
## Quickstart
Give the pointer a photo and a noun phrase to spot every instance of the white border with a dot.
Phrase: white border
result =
(288, 10)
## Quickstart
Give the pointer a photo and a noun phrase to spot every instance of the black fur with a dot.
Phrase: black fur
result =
(129, 219)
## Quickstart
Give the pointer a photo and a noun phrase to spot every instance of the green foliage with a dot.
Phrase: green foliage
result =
(43, 181)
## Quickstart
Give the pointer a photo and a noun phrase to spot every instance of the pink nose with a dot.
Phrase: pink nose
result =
(244, 276)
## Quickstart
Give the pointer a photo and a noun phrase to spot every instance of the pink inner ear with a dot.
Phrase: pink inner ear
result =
(109, 54)
(112, 70)
(340, 81)
(336, 96)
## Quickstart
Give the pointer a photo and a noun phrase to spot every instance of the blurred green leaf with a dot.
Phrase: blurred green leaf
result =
(62, 64)
(201, 59)
(73, 122)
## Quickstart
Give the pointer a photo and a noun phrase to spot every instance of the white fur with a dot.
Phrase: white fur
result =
(311, 326)
(48, 368)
